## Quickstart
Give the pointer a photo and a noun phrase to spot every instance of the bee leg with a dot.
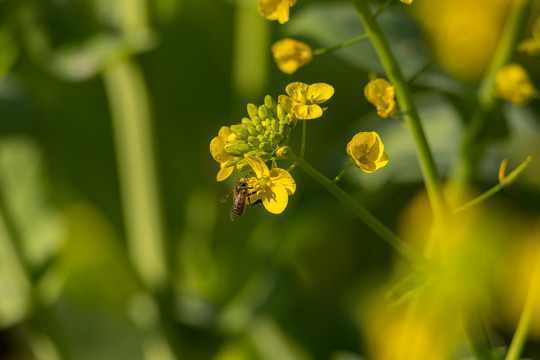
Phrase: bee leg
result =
(255, 202)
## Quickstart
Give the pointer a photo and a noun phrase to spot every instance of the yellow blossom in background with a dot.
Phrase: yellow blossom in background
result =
(303, 100)
(367, 151)
(408, 2)
(290, 54)
(381, 93)
(463, 34)
(513, 84)
(531, 46)
(273, 186)
(217, 149)
(275, 9)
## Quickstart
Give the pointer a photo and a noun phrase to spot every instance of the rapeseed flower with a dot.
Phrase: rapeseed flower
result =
(408, 2)
(381, 93)
(217, 149)
(303, 100)
(367, 151)
(275, 9)
(513, 84)
(290, 54)
(531, 46)
(272, 187)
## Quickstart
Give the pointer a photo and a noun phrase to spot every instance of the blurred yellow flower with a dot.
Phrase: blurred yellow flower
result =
(217, 149)
(513, 84)
(303, 99)
(291, 54)
(380, 93)
(273, 186)
(462, 41)
(367, 151)
(408, 2)
(531, 46)
(275, 9)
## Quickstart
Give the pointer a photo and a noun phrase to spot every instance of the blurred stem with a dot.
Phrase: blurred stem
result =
(506, 181)
(473, 147)
(128, 100)
(338, 177)
(422, 70)
(381, 9)
(408, 107)
(520, 336)
(341, 45)
(386, 234)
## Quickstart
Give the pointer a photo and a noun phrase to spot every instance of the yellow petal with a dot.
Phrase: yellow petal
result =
(319, 93)
(281, 177)
(286, 102)
(306, 112)
(275, 9)
(217, 145)
(224, 172)
(276, 201)
(513, 84)
(258, 166)
(297, 91)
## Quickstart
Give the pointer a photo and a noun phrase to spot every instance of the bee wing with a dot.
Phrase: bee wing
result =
(226, 196)
(233, 214)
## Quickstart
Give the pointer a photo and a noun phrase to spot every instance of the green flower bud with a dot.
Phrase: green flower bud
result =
(270, 103)
(274, 125)
(236, 128)
(266, 147)
(281, 113)
(253, 131)
(264, 113)
(255, 120)
(268, 133)
(284, 130)
(243, 165)
(246, 122)
(242, 134)
(260, 129)
(254, 141)
(261, 138)
(252, 110)
(276, 139)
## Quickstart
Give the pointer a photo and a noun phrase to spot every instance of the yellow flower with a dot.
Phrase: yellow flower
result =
(275, 9)
(513, 84)
(291, 54)
(303, 99)
(531, 46)
(217, 149)
(408, 2)
(273, 186)
(367, 151)
(380, 93)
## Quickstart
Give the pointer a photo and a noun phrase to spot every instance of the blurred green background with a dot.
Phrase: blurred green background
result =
(113, 242)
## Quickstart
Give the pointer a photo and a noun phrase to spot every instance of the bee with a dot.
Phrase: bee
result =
(241, 196)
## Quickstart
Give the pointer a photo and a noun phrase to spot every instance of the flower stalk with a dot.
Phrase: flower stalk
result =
(384, 232)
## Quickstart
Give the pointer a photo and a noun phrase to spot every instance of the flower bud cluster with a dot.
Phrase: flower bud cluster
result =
(262, 134)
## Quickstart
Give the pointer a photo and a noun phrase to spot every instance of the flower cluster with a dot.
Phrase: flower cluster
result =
(261, 135)
(514, 84)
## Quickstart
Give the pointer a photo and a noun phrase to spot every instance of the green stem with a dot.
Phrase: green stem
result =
(381, 9)
(407, 106)
(341, 45)
(303, 146)
(338, 177)
(422, 70)
(506, 182)
(520, 336)
(472, 147)
(386, 234)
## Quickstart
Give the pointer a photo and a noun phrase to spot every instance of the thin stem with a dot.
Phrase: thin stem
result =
(338, 177)
(303, 146)
(341, 45)
(472, 147)
(384, 232)
(520, 336)
(407, 105)
(422, 70)
(381, 9)
(507, 180)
